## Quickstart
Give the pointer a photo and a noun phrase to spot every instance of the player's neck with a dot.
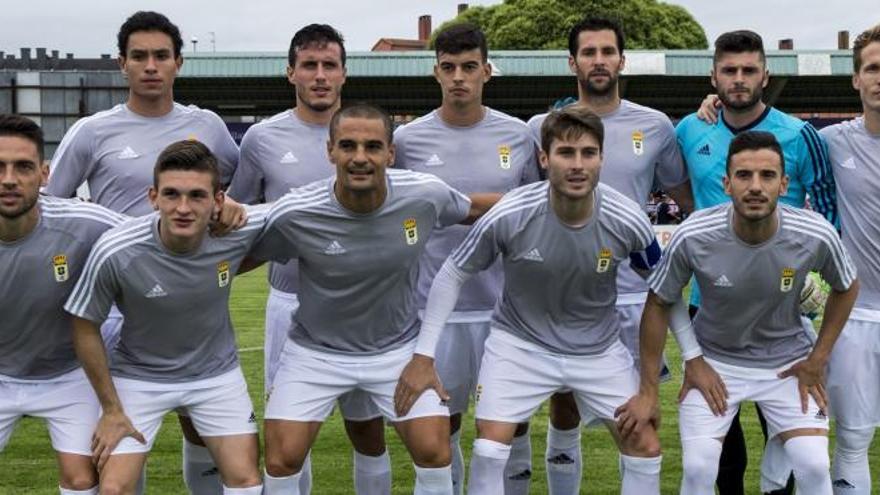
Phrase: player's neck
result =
(13, 229)
(755, 232)
(872, 121)
(316, 117)
(150, 107)
(739, 118)
(360, 201)
(574, 213)
(177, 244)
(462, 116)
(599, 104)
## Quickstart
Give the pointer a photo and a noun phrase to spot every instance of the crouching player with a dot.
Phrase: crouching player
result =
(171, 281)
(750, 258)
(561, 242)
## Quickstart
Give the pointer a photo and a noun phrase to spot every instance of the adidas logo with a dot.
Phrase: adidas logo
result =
(434, 161)
(156, 291)
(704, 150)
(723, 282)
(521, 476)
(849, 163)
(127, 154)
(562, 463)
(289, 157)
(214, 471)
(252, 418)
(534, 255)
(334, 249)
(821, 415)
(842, 483)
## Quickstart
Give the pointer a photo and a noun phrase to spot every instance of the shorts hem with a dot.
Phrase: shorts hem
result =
(427, 414)
(228, 434)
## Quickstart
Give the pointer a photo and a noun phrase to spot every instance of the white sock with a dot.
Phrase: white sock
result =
(200, 473)
(809, 459)
(433, 481)
(699, 459)
(487, 467)
(372, 475)
(849, 470)
(305, 476)
(457, 463)
(518, 471)
(563, 461)
(250, 490)
(283, 485)
(66, 491)
(641, 475)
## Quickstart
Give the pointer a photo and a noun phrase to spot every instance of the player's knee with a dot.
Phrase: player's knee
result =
(243, 479)
(809, 456)
(432, 452)
(852, 442)
(564, 414)
(367, 437)
(79, 481)
(116, 487)
(645, 445)
(700, 461)
(279, 464)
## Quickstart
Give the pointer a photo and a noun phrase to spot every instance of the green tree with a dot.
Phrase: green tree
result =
(544, 24)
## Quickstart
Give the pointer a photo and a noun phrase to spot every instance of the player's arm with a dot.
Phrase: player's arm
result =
(114, 425)
(683, 197)
(815, 173)
(72, 163)
(708, 111)
(480, 204)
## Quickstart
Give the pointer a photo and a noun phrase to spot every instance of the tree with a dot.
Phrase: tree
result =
(544, 24)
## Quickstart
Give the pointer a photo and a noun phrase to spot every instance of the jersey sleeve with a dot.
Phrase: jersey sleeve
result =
(669, 169)
(834, 262)
(532, 169)
(481, 246)
(452, 206)
(814, 169)
(224, 149)
(73, 162)
(672, 273)
(276, 241)
(400, 147)
(247, 182)
(97, 287)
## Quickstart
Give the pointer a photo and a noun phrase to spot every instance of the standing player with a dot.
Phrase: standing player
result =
(358, 238)
(170, 356)
(44, 242)
(114, 152)
(472, 148)
(751, 259)
(561, 242)
(289, 150)
(640, 152)
(739, 73)
(853, 384)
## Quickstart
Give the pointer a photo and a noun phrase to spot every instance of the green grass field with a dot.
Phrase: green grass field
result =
(27, 465)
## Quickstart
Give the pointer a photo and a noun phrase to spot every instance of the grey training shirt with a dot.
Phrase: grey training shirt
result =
(39, 272)
(750, 315)
(358, 272)
(559, 281)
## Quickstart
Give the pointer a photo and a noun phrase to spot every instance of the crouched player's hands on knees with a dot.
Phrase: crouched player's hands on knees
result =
(418, 375)
(810, 374)
(700, 375)
(639, 411)
(111, 429)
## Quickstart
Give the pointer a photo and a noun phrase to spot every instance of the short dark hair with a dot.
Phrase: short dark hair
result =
(148, 21)
(461, 37)
(362, 110)
(593, 23)
(864, 39)
(187, 155)
(741, 41)
(571, 122)
(314, 34)
(752, 141)
(18, 126)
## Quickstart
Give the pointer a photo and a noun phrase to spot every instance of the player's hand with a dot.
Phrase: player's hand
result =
(111, 429)
(810, 374)
(638, 412)
(418, 375)
(708, 111)
(232, 216)
(700, 375)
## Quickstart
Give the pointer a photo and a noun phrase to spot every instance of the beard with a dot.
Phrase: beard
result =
(26, 206)
(747, 104)
(592, 89)
(316, 105)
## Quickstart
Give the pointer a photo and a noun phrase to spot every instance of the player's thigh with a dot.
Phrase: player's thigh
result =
(10, 411)
(852, 385)
(695, 417)
(780, 402)
(121, 472)
(145, 408)
(76, 472)
(71, 411)
(458, 357)
(237, 458)
(514, 381)
(287, 444)
(602, 382)
(427, 440)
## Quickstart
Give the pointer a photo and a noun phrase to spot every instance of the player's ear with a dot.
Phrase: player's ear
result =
(543, 159)
(44, 173)
(572, 64)
(153, 195)
(725, 180)
(783, 186)
(219, 199)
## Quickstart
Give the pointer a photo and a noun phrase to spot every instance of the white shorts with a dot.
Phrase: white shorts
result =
(218, 406)
(458, 356)
(854, 374)
(111, 329)
(67, 403)
(309, 382)
(778, 399)
(517, 376)
(280, 308)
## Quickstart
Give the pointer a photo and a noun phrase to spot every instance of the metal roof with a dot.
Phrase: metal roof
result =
(516, 63)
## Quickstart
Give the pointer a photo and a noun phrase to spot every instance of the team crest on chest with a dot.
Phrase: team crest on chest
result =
(504, 156)
(604, 261)
(223, 273)
(60, 268)
(787, 280)
(411, 231)
(638, 143)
